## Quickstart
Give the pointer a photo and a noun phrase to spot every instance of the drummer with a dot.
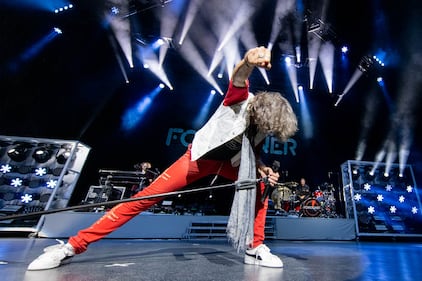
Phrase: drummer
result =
(302, 190)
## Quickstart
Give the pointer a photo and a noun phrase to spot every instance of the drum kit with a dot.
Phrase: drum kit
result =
(288, 201)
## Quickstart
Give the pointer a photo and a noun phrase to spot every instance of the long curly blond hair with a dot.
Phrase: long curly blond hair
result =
(273, 114)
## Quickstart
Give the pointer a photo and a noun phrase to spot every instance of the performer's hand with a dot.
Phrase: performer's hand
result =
(259, 56)
(269, 174)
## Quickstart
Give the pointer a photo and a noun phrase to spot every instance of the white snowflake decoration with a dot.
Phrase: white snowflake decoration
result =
(401, 199)
(40, 171)
(388, 187)
(51, 184)
(26, 198)
(409, 188)
(380, 197)
(16, 182)
(414, 210)
(5, 168)
(357, 197)
(371, 209)
(367, 186)
(393, 209)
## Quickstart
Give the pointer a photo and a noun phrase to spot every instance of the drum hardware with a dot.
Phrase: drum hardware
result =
(285, 200)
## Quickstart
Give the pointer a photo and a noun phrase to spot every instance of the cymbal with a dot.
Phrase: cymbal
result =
(287, 184)
(291, 183)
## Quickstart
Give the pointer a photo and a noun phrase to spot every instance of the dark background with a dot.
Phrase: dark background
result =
(73, 88)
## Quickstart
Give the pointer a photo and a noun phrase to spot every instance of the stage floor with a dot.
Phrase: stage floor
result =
(200, 260)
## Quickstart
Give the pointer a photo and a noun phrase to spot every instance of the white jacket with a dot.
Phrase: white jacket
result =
(226, 123)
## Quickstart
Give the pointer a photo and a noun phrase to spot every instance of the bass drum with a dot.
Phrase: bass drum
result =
(311, 208)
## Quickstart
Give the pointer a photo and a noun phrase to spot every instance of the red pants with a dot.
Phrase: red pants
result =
(178, 175)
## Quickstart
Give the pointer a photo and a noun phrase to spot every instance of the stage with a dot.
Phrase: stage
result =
(215, 260)
(170, 226)
(168, 247)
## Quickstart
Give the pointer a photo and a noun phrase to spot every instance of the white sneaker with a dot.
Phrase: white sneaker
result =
(53, 256)
(261, 255)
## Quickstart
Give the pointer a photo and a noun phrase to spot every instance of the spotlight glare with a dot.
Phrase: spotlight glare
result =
(161, 85)
(212, 92)
(344, 49)
(58, 30)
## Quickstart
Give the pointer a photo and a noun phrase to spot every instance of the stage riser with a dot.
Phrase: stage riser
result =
(153, 226)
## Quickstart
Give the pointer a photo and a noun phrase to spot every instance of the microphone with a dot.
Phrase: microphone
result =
(268, 188)
(275, 166)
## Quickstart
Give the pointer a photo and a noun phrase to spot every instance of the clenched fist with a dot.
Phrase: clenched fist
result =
(259, 56)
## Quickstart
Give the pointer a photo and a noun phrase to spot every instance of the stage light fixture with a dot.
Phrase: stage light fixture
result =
(3, 146)
(355, 173)
(58, 30)
(64, 8)
(114, 10)
(63, 154)
(370, 173)
(19, 152)
(365, 64)
(42, 153)
(378, 60)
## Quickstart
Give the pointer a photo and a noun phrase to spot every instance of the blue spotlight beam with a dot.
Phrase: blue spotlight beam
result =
(203, 114)
(133, 116)
(38, 46)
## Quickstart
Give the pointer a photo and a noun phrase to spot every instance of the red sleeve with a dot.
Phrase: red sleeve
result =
(235, 94)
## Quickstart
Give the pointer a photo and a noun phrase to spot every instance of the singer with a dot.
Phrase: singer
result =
(228, 145)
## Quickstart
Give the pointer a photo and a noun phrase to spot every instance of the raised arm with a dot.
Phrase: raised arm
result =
(259, 56)
(239, 85)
